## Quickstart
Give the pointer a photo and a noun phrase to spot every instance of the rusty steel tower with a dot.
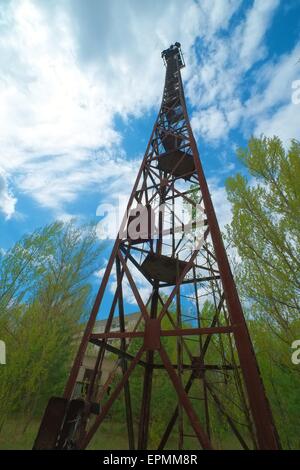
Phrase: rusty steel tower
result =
(170, 239)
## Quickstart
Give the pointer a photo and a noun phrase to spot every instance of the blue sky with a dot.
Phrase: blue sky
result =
(80, 87)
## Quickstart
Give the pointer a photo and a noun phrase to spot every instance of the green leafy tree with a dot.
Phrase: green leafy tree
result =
(265, 230)
(45, 288)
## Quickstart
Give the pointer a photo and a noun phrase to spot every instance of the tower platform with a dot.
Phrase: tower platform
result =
(163, 268)
(168, 161)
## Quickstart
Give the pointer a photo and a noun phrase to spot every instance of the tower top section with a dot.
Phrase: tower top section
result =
(174, 52)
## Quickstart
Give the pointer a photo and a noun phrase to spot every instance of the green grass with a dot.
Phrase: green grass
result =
(12, 436)
(110, 436)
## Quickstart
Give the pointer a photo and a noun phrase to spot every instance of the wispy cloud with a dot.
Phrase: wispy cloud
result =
(227, 61)
(7, 201)
(68, 68)
(272, 108)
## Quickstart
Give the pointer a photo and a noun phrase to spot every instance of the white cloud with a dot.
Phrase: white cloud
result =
(283, 123)
(216, 15)
(2, 251)
(272, 110)
(210, 123)
(7, 201)
(100, 273)
(221, 204)
(217, 86)
(143, 286)
(68, 68)
(277, 78)
(253, 31)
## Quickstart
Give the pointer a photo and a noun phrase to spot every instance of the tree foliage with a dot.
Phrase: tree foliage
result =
(44, 293)
(45, 290)
(265, 230)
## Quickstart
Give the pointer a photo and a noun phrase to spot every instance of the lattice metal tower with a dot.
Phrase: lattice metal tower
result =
(170, 239)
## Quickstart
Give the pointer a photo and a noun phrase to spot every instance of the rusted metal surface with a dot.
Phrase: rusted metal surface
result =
(184, 264)
(51, 424)
(265, 428)
(174, 332)
(127, 394)
(71, 430)
(183, 398)
(162, 268)
(152, 334)
(177, 163)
